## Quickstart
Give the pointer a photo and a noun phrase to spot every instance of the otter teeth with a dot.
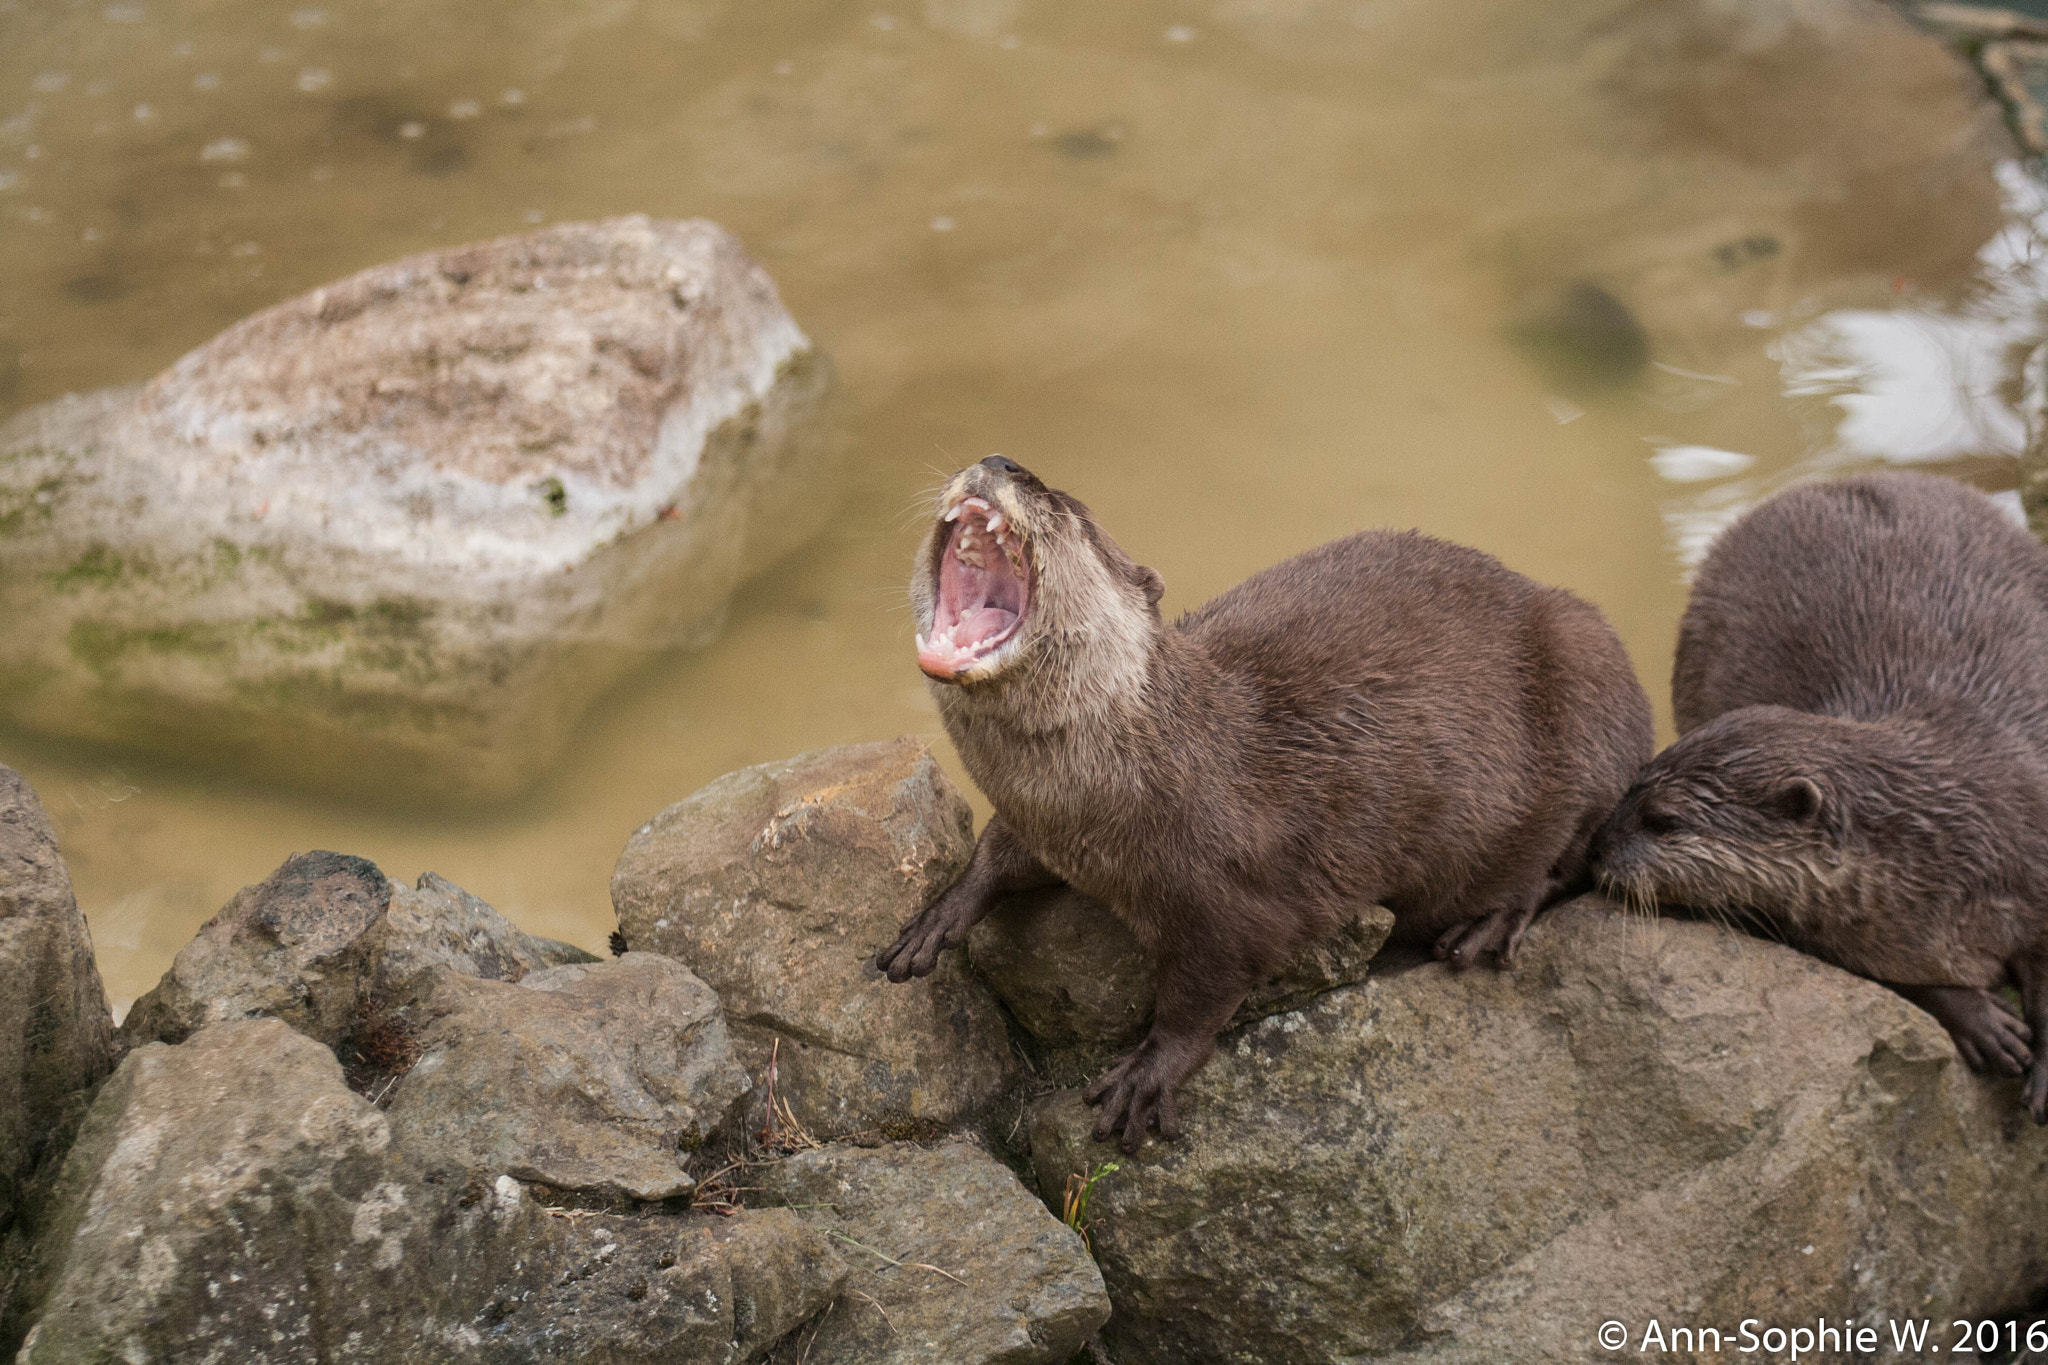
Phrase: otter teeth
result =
(971, 547)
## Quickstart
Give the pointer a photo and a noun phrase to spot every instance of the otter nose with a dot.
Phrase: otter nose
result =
(998, 462)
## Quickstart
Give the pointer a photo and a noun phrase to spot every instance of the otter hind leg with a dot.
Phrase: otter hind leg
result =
(1990, 1037)
(1501, 932)
(2032, 972)
(1192, 1004)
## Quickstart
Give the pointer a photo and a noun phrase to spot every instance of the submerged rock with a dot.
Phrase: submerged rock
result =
(396, 533)
(56, 1035)
(1586, 340)
(778, 884)
(1662, 1120)
(600, 1078)
(952, 1260)
(230, 1199)
(322, 943)
(1071, 973)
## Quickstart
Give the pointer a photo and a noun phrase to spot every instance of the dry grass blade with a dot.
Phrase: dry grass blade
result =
(900, 1265)
(816, 1328)
(782, 1132)
(876, 1304)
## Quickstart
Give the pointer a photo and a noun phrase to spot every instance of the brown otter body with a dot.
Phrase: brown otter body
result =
(1386, 718)
(1862, 691)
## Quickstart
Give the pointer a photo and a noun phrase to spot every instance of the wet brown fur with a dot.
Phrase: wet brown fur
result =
(1387, 718)
(1862, 693)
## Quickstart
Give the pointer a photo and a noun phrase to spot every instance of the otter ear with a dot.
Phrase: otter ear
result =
(1798, 800)
(1152, 584)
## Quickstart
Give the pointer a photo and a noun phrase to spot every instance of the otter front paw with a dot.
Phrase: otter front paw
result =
(1134, 1094)
(943, 925)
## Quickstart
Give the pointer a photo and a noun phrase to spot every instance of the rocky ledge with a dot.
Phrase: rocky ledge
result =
(369, 1121)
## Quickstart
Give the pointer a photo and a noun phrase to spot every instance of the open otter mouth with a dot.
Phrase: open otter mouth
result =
(984, 592)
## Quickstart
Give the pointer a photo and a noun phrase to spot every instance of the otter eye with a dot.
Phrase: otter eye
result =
(1798, 800)
(1658, 817)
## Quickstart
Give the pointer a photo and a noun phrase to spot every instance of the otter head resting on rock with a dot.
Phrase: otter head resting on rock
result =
(1862, 691)
(1387, 718)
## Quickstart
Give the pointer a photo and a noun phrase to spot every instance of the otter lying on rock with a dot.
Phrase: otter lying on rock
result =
(1385, 718)
(1862, 694)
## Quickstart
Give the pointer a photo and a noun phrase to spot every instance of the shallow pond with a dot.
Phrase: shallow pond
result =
(1569, 282)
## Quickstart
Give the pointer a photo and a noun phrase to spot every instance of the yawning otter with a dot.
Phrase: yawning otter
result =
(1386, 718)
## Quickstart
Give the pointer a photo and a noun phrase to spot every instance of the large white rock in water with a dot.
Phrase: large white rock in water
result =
(414, 522)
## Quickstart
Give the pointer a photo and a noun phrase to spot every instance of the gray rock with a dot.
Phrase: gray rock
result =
(695, 1290)
(289, 947)
(231, 1196)
(902, 1215)
(403, 528)
(1663, 1120)
(439, 927)
(229, 1199)
(599, 1078)
(56, 1035)
(1071, 973)
(322, 943)
(778, 884)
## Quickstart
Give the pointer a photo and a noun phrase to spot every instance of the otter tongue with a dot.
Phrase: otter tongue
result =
(979, 623)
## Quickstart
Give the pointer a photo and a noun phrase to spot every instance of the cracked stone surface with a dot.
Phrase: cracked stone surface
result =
(325, 939)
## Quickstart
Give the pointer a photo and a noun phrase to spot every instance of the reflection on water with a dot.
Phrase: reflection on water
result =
(1935, 384)
(1246, 274)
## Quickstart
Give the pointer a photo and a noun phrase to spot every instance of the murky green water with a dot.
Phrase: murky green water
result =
(1245, 274)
